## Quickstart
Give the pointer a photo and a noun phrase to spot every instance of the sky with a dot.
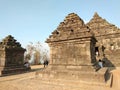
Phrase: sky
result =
(34, 20)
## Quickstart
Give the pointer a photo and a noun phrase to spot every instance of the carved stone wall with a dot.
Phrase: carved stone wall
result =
(71, 52)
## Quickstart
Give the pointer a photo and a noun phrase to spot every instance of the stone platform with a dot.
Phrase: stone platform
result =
(74, 76)
(30, 81)
(15, 70)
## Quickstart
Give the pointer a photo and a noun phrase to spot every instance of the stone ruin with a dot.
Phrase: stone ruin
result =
(11, 56)
(108, 40)
(72, 36)
(73, 47)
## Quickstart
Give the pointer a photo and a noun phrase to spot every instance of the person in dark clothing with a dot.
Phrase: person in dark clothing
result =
(45, 63)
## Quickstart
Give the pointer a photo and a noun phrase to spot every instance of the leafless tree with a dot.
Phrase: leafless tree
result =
(36, 53)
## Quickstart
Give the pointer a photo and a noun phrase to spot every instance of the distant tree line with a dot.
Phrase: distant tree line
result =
(36, 53)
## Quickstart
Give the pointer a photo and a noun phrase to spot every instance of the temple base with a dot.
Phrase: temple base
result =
(11, 70)
(77, 74)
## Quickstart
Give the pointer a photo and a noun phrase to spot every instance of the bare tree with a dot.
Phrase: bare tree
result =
(36, 53)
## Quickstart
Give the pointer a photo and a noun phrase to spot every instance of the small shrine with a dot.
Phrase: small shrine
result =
(71, 43)
(11, 56)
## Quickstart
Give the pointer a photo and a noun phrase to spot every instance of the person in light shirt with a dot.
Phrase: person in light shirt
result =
(100, 63)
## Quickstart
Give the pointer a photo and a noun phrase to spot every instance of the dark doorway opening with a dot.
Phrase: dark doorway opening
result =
(97, 51)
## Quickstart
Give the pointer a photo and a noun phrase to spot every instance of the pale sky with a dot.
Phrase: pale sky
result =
(34, 20)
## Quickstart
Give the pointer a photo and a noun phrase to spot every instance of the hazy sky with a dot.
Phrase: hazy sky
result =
(34, 20)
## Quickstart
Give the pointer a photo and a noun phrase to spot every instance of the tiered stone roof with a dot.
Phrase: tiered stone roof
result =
(10, 42)
(100, 26)
(72, 27)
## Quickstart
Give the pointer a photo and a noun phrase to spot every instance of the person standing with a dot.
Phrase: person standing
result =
(100, 63)
(45, 63)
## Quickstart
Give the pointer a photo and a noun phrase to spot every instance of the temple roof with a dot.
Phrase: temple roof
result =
(99, 21)
(100, 26)
(74, 27)
(10, 42)
(72, 21)
(71, 27)
(73, 18)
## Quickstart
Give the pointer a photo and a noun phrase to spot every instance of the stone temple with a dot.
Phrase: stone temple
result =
(76, 47)
(11, 56)
(72, 42)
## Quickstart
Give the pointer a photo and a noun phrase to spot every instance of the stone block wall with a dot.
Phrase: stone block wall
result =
(108, 37)
(111, 50)
(71, 53)
(72, 43)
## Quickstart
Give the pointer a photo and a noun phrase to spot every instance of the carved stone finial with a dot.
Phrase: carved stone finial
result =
(96, 15)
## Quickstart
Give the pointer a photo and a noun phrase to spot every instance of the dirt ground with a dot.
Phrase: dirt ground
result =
(28, 81)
